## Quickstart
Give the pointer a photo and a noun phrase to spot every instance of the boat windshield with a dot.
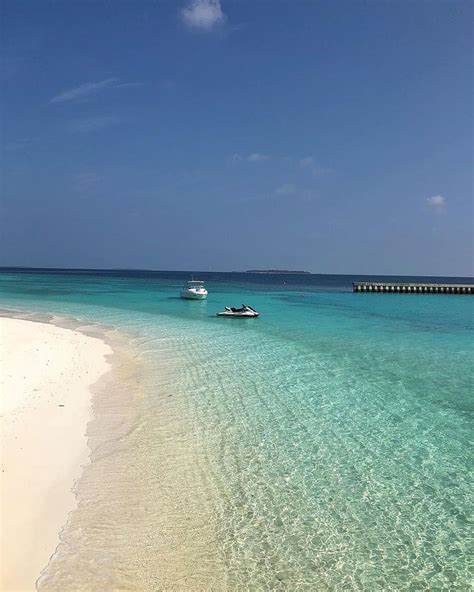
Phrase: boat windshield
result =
(195, 284)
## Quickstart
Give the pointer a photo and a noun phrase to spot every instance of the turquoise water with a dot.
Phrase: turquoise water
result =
(324, 446)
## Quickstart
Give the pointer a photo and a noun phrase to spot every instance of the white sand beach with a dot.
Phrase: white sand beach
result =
(45, 377)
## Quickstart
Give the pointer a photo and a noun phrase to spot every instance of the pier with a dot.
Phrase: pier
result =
(412, 288)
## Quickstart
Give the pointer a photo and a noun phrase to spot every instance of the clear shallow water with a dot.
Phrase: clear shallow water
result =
(325, 445)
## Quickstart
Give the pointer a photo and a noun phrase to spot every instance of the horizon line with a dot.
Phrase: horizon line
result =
(268, 272)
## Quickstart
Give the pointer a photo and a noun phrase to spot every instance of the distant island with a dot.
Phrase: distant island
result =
(281, 271)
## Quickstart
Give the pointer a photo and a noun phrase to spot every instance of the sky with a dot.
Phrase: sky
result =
(331, 137)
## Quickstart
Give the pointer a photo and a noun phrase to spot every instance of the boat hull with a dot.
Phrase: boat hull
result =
(234, 315)
(194, 295)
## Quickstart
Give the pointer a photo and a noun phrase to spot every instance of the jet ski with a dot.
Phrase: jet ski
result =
(245, 312)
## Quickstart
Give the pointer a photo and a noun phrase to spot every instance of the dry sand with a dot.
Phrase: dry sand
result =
(45, 375)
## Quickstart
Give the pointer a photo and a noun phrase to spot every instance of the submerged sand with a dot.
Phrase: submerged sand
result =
(45, 377)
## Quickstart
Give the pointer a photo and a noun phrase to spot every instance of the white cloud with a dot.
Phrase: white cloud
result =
(309, 163)
(91, 88)
(203, 14)
(254, 157)
(286, 189)
(93, 124)
(436, 201)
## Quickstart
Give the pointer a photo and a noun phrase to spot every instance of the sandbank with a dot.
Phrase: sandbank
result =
(45, 377)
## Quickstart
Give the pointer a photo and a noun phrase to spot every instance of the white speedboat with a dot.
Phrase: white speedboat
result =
(245, 312)
(194, 290)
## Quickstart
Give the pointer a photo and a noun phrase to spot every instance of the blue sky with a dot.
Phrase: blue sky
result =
(329, 136)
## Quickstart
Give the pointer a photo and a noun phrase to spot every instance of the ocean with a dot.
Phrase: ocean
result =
(323, 446)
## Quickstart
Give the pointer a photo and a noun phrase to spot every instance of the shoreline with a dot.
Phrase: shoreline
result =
(47, 382)
(141, 512)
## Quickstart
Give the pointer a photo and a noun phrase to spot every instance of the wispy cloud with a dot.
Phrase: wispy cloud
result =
(128, 85)
(90, 89)
(20, 144)
(84, 90)
(86, 181)
(436, 201)
(203, 14)
(254, 157)
(93, 124)
(9, 66)
(286, 189)
(309, 163)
